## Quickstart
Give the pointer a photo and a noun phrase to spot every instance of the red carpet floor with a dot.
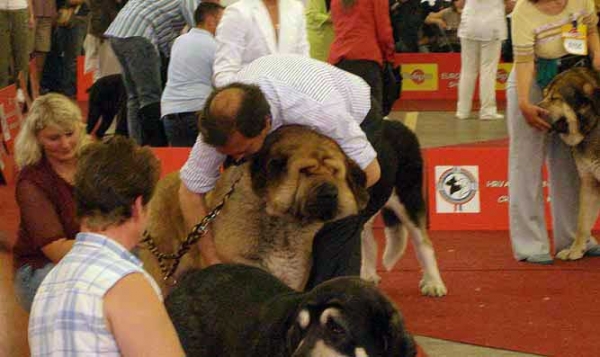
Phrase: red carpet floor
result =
(495, 301)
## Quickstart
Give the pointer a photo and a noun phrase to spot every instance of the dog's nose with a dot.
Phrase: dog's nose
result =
(327, 191)
(325, 203)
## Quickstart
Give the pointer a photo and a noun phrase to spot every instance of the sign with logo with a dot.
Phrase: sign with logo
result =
(467, 187)
(10, 124)
(436, 75)
(457, 189)
(420, 77)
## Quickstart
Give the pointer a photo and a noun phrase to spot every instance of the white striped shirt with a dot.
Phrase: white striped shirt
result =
(303, 91)
(159, 21)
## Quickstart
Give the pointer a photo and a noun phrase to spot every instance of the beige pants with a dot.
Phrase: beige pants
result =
(14, 40)
(99, 57)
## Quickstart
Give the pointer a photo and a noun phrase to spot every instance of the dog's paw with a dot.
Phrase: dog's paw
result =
(571, 253)
(371, 277)
(434, 288)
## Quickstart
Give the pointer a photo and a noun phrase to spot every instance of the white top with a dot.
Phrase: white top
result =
(300, 91)
(246, 33)
(13, 4)
(483, 20)
(190, 73)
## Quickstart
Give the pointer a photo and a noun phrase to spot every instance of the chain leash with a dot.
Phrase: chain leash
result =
(168, 263)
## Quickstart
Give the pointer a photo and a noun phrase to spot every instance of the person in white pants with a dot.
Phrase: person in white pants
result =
(528, 150)
(482, 30)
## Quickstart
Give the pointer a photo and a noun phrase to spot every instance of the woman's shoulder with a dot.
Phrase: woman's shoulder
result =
(33, 172)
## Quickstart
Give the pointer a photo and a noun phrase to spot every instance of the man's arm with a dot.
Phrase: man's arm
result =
(193, 208)
(373, 172)
(138, 320)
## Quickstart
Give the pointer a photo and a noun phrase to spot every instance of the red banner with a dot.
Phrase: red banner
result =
(436, 75)
(467, 188)
(10, 115)
(84, 80)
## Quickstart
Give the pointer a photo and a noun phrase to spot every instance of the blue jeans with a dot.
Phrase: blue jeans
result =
(181, 128)
(141, 63)
(70, 44)
(27, 282)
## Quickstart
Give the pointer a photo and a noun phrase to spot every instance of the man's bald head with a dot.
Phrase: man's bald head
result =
(235, 107)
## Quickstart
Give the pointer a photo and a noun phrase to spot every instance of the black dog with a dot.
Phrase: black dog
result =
(107, 99)
(237, 310)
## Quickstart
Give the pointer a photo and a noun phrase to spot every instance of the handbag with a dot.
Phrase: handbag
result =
(392, 86)
(65, 15)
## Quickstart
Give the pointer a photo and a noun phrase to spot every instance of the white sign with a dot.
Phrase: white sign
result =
(457, 189)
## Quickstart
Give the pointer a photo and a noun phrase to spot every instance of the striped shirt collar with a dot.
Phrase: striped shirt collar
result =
(101, 241)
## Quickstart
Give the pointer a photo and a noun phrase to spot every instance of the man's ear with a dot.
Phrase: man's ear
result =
(138, 209)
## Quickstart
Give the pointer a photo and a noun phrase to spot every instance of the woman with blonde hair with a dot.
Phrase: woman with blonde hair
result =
(46, 152)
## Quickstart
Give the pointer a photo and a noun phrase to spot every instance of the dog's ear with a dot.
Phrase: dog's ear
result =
(397, 341)
(357, 181)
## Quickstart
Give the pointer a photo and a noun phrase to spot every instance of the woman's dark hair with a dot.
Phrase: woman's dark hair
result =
(110, 177)
(204, 9)
(216, 125)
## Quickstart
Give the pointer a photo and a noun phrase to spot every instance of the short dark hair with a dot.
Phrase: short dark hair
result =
(110, 177)
(204, 9)
(250, 119)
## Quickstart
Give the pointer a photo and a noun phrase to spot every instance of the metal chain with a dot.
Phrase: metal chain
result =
(194, 236)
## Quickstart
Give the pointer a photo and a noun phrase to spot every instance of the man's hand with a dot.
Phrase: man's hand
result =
(194, 209)
(534, 116)
(596, 62)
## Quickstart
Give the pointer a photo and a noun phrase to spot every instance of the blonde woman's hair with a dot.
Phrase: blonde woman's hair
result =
(48, 110)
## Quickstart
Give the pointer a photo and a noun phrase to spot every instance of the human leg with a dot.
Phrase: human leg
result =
(490, 56)
(73, 43)
(469, 66)
(140, 63)
(528, 232)
(27, 281)
(370, 71)
(181, 129)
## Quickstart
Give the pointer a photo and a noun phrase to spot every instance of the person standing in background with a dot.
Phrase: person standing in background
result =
(190, 76)
(251, 29)
(363, 40)
(482, 30)
(319, 28)
(41, 39)
(99, 56)
(540, 53)
(16, 18)
(140, 30)
(69, 40)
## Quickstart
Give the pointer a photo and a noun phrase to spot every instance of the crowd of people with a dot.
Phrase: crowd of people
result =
(80, 200)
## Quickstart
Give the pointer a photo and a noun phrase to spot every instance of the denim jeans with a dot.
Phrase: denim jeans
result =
(181, 128)
(141, 63)
(27, 282)
(70, 44)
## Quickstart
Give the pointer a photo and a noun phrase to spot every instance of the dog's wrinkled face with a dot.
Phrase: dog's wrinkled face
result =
(306, 175)
(347, 317)
(573, 102)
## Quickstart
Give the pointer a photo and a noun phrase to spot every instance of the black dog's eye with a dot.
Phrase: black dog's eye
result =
(334, 327)
(277, 164)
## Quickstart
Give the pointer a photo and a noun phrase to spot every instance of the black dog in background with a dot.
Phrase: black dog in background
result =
(241, 311)
(107, 100)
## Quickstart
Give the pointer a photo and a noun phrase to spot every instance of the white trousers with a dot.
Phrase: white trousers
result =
(528, 149)
(478, 58)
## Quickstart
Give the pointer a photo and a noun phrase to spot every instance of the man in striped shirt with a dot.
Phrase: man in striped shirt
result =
(273, 91)
(140, 31)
